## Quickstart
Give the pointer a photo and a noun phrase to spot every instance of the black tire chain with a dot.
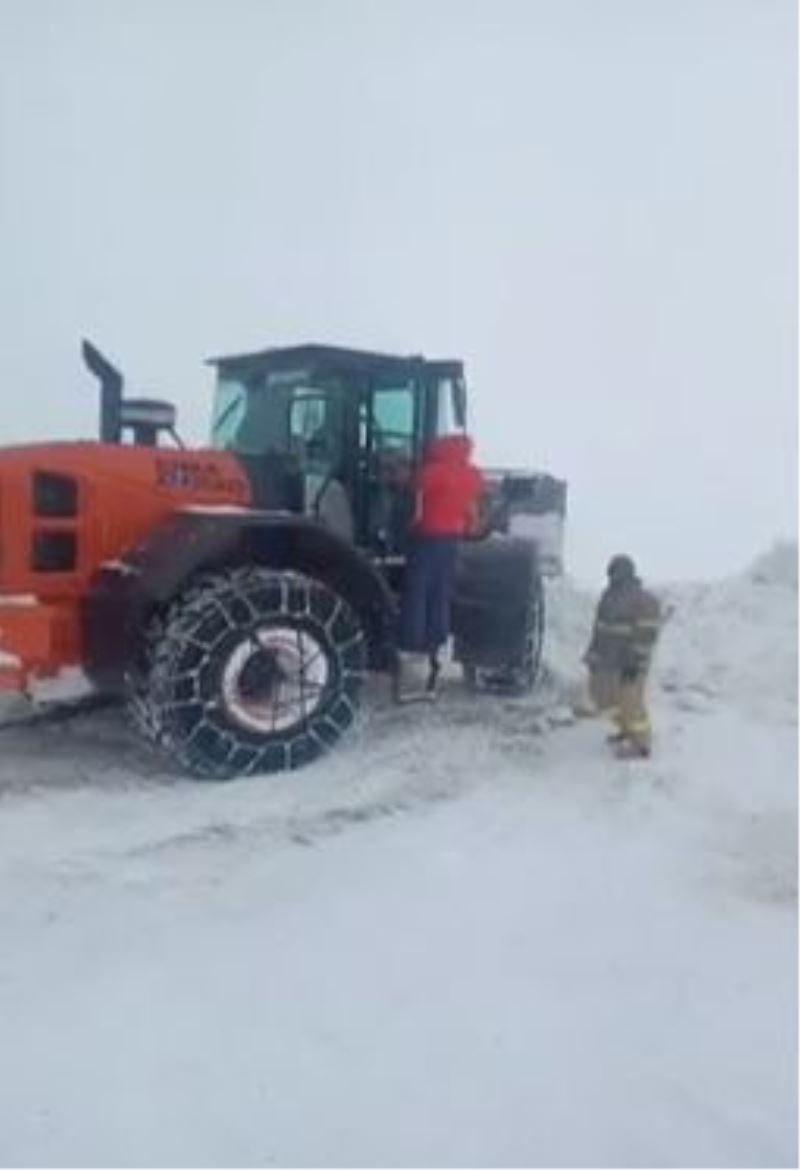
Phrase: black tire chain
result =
(215, 748)
(534, 633)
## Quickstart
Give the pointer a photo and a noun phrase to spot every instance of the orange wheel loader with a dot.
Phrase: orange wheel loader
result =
(235, 597)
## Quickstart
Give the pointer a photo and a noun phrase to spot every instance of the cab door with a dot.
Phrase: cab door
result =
(390, 438)
(318, 440)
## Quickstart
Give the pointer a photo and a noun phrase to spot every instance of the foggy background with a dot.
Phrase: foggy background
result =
(593, 202)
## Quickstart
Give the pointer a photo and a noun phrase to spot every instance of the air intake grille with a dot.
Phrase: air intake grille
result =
(54, 552)
(54, 496)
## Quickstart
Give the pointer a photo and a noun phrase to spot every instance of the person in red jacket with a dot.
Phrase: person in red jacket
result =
(448, 491)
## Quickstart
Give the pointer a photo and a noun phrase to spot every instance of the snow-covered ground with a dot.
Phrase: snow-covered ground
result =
(468, 937)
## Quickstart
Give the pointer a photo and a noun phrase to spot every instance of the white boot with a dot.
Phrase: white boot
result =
(411, 678)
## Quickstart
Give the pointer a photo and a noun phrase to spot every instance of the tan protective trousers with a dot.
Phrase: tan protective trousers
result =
(624, 702)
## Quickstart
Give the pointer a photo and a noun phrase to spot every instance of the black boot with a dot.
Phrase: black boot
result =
(434, 670)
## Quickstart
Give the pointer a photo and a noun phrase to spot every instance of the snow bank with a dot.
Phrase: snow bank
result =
(776, 567)
(568, 624)
(736, 640)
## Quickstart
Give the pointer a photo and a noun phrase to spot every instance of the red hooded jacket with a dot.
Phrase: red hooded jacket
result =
(449, 487)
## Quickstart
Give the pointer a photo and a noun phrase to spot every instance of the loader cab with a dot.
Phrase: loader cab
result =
(337, 433)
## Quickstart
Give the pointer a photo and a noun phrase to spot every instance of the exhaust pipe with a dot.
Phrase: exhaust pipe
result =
(111, 383)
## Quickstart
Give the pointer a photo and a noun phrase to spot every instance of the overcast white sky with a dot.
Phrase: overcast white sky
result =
(593, 202)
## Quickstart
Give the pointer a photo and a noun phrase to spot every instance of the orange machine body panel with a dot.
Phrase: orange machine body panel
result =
(116, 495)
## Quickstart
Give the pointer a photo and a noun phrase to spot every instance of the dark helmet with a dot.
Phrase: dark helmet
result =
(620, 569)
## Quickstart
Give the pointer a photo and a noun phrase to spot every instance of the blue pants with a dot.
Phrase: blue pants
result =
(427, 593)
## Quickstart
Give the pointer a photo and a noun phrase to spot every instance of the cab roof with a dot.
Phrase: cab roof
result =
(332, 357)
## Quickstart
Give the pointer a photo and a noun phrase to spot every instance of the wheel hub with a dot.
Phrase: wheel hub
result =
(274, 679)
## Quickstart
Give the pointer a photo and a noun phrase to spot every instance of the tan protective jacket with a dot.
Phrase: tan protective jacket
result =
(626, 628)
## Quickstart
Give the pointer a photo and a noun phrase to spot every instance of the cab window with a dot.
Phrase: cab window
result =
(315, 428)
(288, 411)
(393, 418)
(450, 406)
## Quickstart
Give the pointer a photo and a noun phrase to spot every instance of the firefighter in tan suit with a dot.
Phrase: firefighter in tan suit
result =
(625, 632)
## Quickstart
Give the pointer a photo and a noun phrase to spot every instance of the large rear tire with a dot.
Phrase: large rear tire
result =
(499, 615)
(252, 671)
(518, 676)
(523, 675)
